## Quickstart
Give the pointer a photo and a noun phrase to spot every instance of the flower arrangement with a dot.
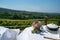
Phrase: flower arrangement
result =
(36, 31)
(36, 27)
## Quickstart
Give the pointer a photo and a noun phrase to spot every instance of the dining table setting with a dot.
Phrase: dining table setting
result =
(29, 33)
(44, 32)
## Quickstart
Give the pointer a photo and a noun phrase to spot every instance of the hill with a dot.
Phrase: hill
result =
(18, 14)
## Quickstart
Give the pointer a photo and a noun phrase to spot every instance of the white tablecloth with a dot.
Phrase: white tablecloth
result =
(28, 35)
(2, 31)
(8, 34)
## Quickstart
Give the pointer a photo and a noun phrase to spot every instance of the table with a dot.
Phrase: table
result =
(28, 35)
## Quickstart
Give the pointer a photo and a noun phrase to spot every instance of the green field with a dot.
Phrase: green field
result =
(22, 23)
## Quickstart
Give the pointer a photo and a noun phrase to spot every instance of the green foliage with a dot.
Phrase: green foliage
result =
(22, 19)
(14, 23)
(36, 31)
(21, 23)
(15, 14)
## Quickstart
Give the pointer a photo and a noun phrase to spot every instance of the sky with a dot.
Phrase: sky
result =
(32, 5)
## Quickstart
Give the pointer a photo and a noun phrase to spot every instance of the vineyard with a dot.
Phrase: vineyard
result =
(21, 23)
